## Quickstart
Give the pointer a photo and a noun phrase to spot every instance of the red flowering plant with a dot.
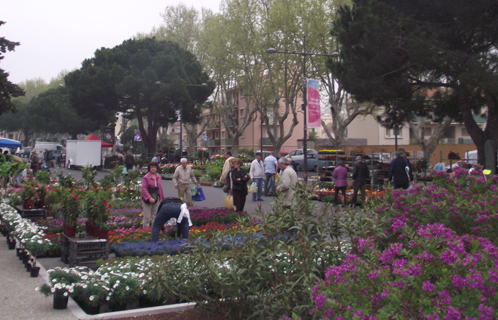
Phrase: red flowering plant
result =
(70, 207)
(431, 273)
(97, 207)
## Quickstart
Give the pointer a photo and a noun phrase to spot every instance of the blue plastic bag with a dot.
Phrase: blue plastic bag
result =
(199, 196)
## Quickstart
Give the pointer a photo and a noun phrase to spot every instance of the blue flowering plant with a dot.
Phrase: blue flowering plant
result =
(431, 273)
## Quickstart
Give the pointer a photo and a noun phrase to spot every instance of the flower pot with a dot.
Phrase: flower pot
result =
(69, 231)
(35, 271)
(60, 302)
(28, 267)
(144, 302)
(103, 234)
(19, 251)
(118, 307)
(90, 309)
(12, 245)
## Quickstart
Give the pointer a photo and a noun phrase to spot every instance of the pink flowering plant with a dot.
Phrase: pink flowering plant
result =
(463, 201)
(432, 273)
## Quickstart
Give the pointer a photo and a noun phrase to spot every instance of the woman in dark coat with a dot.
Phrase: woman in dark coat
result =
(239, 180)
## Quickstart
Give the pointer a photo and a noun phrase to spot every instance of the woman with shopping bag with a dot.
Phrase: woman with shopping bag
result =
(239, 180)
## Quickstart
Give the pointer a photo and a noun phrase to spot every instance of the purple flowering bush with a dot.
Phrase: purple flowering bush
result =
(432, 273)
(463, 201)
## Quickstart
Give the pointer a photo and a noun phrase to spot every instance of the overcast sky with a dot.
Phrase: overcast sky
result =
(57, 35)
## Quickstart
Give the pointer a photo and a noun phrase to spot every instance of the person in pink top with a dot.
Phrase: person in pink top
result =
(152, 194)
(340, 175)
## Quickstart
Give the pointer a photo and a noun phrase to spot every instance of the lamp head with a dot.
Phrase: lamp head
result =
(271, 50)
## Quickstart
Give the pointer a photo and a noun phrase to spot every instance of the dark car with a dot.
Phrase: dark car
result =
(26, 152)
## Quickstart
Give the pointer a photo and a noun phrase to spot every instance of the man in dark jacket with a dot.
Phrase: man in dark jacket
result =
(360, 176)
(129, 161)
(401, 171)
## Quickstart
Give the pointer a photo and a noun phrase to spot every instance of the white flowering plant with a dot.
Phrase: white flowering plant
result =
(62, 281)
(124, 289)
(36, 245)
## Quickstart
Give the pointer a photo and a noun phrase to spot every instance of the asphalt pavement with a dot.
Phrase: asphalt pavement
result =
(214, 196)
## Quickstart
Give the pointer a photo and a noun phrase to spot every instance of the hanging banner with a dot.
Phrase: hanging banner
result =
(108, 135)
(314, 111)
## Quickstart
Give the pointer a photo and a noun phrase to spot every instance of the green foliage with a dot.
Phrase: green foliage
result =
(8, 89)
(43, 176)
(66, 181)
(112, 178)
(89, 175)
(123, 79)
(214, 171)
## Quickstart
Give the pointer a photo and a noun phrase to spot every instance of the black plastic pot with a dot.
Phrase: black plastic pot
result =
(35, 271)
(60, 302)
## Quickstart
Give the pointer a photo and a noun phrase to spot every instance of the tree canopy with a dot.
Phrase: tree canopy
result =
(423, 57)
(8, 90)
(125, 79)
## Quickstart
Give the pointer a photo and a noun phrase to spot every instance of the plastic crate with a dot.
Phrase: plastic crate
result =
(83, 251)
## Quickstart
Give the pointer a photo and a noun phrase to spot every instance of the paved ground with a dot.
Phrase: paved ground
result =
(18, 298)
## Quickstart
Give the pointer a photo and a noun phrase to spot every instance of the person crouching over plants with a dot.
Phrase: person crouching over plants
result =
(172, 208)
(152, 194)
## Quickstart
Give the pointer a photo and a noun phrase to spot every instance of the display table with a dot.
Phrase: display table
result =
(32, 214)
(83, 251)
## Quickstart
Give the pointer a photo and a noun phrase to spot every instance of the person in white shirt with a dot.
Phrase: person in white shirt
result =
(270, 171)
(257, 174)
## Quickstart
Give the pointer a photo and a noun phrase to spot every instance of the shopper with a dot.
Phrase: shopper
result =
(340, 175)
(226, 167)
(168, 209)
(129, 161)
(287, 182)
(152, 194)
(360, 176)
(401, 171)
(239, 180)
(182, 178)
(270, 171)
(257, 174)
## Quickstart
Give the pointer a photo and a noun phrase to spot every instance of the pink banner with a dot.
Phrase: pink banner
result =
(314, 112)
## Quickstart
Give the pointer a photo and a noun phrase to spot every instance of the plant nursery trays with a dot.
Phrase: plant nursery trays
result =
(32, 214)
(83, 251)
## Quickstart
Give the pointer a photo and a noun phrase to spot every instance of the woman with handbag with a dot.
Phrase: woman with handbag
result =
(152, 194)
(239, 180)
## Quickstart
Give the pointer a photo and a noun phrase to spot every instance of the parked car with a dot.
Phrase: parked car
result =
(26, 152)
(381, 157)
(297, 157)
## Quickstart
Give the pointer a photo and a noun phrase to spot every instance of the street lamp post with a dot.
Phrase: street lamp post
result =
(305, 102)
(181, 112)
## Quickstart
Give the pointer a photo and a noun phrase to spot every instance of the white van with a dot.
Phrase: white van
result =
(40, 146)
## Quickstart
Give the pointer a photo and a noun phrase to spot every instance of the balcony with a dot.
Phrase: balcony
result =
(227, 142)
(267, 142)
(232, 123)
(447, 141)
(213, 143)
(465, 141)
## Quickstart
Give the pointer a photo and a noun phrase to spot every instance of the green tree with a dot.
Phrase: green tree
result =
(124, 79)
(8, 90)
(55, 114)
(424, 58)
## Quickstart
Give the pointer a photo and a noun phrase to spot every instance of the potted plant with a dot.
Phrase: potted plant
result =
(124, 290)
(36, 246)
(62, 282)
(70, 211)
(91, 294)
(28, 196)
(40, 196)
(206, 181)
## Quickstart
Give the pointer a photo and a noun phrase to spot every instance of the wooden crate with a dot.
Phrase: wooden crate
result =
(83, 251)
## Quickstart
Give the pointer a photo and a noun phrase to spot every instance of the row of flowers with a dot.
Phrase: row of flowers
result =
(26, 233)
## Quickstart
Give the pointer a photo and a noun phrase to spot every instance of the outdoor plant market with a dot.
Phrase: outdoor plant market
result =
(422, 253)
